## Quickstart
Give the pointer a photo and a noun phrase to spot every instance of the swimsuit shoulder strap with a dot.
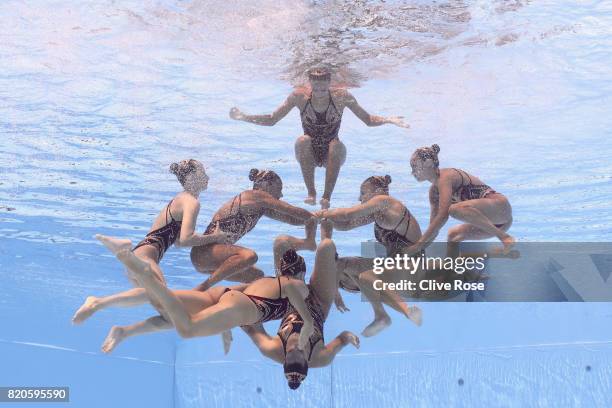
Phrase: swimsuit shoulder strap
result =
(406, 213)
(469, 178)
(331, 102)
(280, 288)
(168, 211)
(231, 211)
(460, 174)
(401, 219)
(307, 103)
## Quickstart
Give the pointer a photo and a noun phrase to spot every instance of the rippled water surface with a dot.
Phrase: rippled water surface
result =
(97, 98)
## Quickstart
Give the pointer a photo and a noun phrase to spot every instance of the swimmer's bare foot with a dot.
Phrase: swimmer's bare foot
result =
(416, 315)
(86, 310)
(508, 242)
(115, 245)
(324, 203)
(350, 338)
(378, 325)
(505, 251)
(114, 337)
(227, 338)
(310, 200)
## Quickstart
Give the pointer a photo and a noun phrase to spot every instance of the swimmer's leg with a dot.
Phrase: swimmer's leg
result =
(388, 297)
(324, 278)
(119, 333)
(227, 262)
(328, 353)
(128, 298)
(382, 320)
(194, 302)
(306, 159)
(335, 159)
(114, 244)
(482, 214)
(250, 274)
(327, 229)
(233, 308)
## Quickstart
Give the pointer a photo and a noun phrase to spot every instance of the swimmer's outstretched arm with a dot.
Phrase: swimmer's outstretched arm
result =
(283, 211)
(296, 292)
(439, 216)
(266, 120)
(270, 347)
(356, 216)
(372, 120)
(328, 353)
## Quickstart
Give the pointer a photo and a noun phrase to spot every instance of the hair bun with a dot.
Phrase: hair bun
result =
(292, 264)
(290, 255)
(174, 168)
(253, 174)
(435, 148)
(387, 179)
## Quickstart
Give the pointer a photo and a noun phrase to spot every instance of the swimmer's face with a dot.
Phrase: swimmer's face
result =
(273, 187)
(276, 189)
(293, 343)
(422, 169)
(366, 193)
(320, 88)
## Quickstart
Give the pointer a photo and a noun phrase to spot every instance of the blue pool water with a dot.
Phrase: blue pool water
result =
(98, 98)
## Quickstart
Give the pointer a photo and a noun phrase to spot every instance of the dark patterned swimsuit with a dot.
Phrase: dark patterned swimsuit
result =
(162, 238)
(390, 238)
(270, 309)
(238, 224)
(469, 191)
(322, 127)
(292, 323)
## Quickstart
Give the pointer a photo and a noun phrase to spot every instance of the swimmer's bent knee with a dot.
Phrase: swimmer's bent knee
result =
(197, 258)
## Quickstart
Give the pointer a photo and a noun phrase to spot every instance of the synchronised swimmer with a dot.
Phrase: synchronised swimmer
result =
(301, 307)
(321, 107)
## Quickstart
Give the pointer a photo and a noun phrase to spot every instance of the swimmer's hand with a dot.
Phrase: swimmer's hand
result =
(220, 236)
(397, 121)
(227, 339)
(204, 286)
(413, 249)
(320, 214)
(349, 338)
(236, 114)
(339, 302)
(307, 331)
